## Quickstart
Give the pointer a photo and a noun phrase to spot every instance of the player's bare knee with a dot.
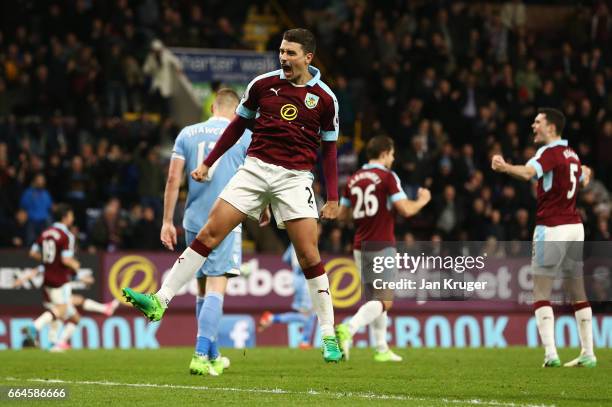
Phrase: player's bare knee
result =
(209, 237)
(75, 318)
(308, 256)
(387, 305)
(309, 260)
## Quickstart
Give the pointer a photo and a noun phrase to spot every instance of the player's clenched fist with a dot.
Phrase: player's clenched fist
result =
(497, 163)
(201, 173)
(424, 195)
(329, 210)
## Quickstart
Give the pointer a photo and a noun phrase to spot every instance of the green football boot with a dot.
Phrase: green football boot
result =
(218, 365)
(387, 356)
(200, 365)
(345, 339)
(148, 304)
(552, 363)
(583, 361)
(331, 351)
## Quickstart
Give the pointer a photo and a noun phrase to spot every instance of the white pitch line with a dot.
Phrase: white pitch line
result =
(370, 396)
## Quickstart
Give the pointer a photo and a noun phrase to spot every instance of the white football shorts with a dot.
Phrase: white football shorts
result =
(558, 249)
(257, 184)
(59, 296)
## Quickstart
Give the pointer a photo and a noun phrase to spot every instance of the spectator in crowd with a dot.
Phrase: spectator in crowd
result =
(37, 203)
(145, 235)
(108, 230)
(161, 66)
(151, 181)
(14, 231)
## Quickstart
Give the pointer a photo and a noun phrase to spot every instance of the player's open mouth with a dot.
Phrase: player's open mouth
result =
(286, 69)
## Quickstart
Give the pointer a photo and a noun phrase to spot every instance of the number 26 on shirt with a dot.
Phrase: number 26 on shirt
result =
(367, 203)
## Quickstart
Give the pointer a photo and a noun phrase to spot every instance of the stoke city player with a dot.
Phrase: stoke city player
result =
(190, 148)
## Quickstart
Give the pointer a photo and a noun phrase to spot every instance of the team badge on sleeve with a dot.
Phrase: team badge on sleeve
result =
(311, 100)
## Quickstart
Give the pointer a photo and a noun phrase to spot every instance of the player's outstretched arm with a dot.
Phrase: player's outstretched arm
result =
(522, 172)
(407, 207)
(230, 136)
(173, 183)
(27, 276)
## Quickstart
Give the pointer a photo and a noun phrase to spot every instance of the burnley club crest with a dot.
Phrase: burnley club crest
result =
(311, 100)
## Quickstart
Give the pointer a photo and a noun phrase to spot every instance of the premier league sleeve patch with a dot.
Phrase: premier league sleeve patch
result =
(311, 100)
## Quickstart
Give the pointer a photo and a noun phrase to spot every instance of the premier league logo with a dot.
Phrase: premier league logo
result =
(311, 100)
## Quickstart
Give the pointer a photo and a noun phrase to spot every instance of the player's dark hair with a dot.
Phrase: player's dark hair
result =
(60, 211)
(554, 116)
(301, 36)
(378, 145)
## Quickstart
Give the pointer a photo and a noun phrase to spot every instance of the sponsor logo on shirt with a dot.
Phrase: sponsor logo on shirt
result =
(289, 112)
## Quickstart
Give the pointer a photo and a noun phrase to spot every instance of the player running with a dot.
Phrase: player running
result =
(302, 304)
(77, 300)
(558, 171)
(55, 249)
(374, 193)
(190, 148)
(294, 113)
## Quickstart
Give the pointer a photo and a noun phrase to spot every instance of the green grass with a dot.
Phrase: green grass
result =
(427, 377)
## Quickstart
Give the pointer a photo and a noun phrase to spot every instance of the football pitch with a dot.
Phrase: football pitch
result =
(280, 376)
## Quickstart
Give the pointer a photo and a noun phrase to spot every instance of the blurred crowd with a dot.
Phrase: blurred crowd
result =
(84, 120)
(84, 114)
